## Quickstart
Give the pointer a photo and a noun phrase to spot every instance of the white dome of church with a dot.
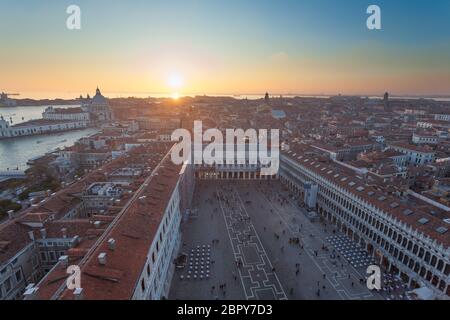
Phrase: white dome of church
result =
(98, 107)
(99, 99)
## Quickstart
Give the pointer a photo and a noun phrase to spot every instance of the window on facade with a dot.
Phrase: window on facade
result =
(8, 285)
(447, 269)
(440, 265)
(18, 275)
(433, 261)
(409, 245)
(35, 261)
(406, 260)
(421, 252)
(427, 257)
(52, 256)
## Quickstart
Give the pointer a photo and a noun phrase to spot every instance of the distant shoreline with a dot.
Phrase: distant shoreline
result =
(42, 102)
(28, 102)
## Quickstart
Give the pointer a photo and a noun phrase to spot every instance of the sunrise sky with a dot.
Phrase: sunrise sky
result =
(225, 47)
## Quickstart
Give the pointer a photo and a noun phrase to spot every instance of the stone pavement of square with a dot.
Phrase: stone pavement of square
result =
(250, 226)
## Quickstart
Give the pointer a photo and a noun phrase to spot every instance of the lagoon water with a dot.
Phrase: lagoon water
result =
(15, 152)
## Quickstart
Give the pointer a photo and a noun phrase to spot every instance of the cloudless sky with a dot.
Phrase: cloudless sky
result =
(225, 47)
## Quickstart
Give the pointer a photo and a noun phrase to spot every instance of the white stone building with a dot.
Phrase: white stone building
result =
(65, 114)
(35, 127)
(98, 108)
(424, 138)
(404, 239)
(417, 155)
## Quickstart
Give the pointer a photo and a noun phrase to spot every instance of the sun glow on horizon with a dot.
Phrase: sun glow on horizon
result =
(175, 81)
(296, 48)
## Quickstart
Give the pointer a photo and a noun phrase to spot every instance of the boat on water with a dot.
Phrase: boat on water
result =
(39, 141)
(33, 160)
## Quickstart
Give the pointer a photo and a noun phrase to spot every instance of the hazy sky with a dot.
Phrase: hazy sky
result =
(224, 47)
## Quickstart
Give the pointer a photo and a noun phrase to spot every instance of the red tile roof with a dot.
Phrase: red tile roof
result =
(134, 233)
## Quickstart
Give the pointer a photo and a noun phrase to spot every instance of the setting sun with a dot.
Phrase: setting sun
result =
(175, 81)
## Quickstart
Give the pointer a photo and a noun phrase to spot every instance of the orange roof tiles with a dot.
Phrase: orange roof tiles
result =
(134, 233)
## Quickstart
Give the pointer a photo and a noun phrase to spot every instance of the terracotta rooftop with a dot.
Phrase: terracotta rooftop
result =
(133, 228)
(14, 233)
(73, 110)
(134, 233)
(423, 149)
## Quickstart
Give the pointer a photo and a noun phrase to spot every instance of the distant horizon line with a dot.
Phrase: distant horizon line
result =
(44, 95)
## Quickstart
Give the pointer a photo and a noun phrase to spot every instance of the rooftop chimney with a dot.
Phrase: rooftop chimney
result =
(29, 286)
(31, 293)
(102, 258)
(43, 233)
(11, 214)
(97, 224)
(75, 240)
(64, 260)
(64, 232)
(112, 244)
(31, 235)
(78, 294)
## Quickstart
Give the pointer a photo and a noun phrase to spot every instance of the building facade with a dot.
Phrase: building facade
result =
(398, 246)
(65, 114)
(417, 156)
(98, 108)
(35, 127)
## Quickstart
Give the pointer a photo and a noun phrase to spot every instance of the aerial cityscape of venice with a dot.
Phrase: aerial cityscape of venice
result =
(204, 150)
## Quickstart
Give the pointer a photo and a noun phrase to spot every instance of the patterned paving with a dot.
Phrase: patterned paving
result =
(254, 223)
(337, 277)
(351, 251)
(255, 269)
